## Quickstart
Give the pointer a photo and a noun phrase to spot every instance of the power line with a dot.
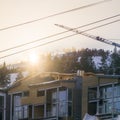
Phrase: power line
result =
(21, 45)
(118, 39)
(56, 40)
(103, 25)
(53, 15)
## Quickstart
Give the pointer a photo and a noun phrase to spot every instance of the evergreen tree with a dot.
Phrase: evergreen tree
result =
(104, 66)
(115, 64)
(68, 62)
(4, 76)
(86, 62)
(48, 63)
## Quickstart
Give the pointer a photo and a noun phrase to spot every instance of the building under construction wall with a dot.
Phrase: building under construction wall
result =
(101, 96)
(60, 96)
(46, 96)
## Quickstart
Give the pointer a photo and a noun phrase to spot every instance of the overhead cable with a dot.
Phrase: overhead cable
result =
(21, 45)
(53, 15)
(56, 40)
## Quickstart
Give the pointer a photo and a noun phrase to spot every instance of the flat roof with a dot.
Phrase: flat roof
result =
(108, 76)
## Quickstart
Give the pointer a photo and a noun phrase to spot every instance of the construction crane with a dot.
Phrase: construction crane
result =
(91, 36)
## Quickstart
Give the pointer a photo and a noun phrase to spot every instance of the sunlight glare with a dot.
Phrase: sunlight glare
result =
(33, 58)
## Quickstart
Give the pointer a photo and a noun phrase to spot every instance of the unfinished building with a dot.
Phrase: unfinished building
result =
(46, 96)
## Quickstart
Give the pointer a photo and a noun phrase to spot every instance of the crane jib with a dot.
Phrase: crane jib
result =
(90, 36)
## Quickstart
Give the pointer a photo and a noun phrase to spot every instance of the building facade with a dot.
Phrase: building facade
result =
(102, 96)
(4, 104)
(59, 96)
(46, 96)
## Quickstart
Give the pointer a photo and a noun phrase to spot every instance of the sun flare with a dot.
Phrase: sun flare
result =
(33, 58)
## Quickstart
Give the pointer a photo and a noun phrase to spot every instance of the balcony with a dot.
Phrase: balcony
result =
(35, 100)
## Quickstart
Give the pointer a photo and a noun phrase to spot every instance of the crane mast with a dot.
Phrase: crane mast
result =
(90, 36)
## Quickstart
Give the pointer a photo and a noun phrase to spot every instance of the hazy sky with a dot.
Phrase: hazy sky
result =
(14, 12)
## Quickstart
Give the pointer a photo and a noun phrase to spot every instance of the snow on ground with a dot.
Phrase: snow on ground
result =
(13, 76)
(97, 61)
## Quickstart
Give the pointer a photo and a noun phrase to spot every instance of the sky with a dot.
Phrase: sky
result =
(13, 12)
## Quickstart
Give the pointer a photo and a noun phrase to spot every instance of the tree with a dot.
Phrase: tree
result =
(20, 76)
(86, 62)
(115, 64)
(48, 63)
(104, 66)
(4, 76)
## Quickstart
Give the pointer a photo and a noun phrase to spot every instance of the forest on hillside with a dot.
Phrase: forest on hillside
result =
(89, 60)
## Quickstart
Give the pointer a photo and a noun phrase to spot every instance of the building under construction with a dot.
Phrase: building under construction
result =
(101, 96)
(47, 96)
(60, 96)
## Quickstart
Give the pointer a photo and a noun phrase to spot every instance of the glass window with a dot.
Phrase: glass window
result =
(40, 93)
(51, 95)
(62, 109)
(54, 97)
(18, 114)
(92, 93)
(63, 94)
(51, 106)
(19, 111)
(25, 111)
(69, 94)
(39, 111)
(109, 91)
(15, 115)
(1, 100)
(54, 109)
(117, 90)
(109, 100)
(17, 99)
(106, 92)
(69, 109)
(117, 107)
(108, 106)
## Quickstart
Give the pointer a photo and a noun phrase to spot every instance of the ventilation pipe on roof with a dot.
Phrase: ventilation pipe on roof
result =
(80, 73)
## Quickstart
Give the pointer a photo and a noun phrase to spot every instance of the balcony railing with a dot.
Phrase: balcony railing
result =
(29, 100)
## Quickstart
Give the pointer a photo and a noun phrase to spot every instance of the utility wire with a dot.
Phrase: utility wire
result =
(53, 15)
(118, 39)
(21, 45)
(56, 40)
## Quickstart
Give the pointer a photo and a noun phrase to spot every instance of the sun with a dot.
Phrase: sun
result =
(33, 58)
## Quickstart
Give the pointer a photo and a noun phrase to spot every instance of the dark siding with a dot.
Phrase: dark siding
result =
(7, 107)
(77, 99)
